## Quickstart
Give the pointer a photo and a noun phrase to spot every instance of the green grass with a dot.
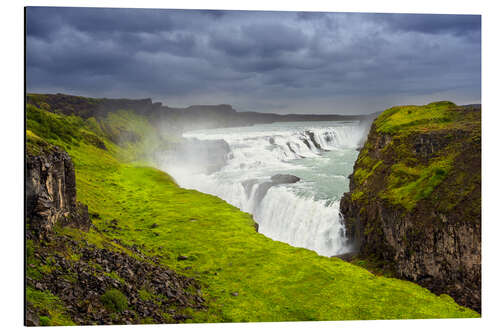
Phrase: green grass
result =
(274, 281)
(114, 300)
(410, 178)
(45, 301)
(356, 195)
(407, 185)
(366, 168)
(411, 117)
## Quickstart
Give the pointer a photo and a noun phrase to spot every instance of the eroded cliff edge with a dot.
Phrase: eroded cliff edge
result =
(51, 190)
(415, 198)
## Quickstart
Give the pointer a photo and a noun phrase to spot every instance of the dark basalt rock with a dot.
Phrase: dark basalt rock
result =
(90, 279)
(51, 193)
(428, 145)
(32, 316)
(284, 179)
(306, 143)
(313, 140)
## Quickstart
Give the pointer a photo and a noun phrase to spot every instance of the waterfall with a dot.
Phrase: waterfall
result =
(301, 221)
(293, 213)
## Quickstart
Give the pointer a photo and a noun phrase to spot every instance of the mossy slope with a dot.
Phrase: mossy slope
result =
(415, 147)
(245, 275)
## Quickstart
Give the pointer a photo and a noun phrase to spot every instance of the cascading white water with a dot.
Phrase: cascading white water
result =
(301, 221)
(304, 213)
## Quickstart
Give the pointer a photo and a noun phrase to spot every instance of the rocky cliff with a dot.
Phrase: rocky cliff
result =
(51, 191)
(415, 198)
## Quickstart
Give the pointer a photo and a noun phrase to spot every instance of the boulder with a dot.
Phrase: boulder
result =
(284, 179)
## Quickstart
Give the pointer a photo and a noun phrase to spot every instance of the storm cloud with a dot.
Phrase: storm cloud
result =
(285, 62)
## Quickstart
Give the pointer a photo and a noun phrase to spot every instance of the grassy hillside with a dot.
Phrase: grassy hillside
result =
(413, 175)
(244, 275)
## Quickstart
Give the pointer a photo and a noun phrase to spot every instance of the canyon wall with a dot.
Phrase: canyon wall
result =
(414, 203)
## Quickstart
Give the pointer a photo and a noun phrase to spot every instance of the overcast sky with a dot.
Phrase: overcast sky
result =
(284, 62)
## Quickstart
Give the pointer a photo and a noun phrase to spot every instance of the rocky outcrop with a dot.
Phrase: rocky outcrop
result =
(312, 138)
(151, 291)
(415, 199)
(284, 179)
(51, 193)
(81, 276)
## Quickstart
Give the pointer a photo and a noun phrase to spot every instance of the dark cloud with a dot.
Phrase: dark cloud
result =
(264, 40)
(45, 21)
(434, 24)
(264, 61)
